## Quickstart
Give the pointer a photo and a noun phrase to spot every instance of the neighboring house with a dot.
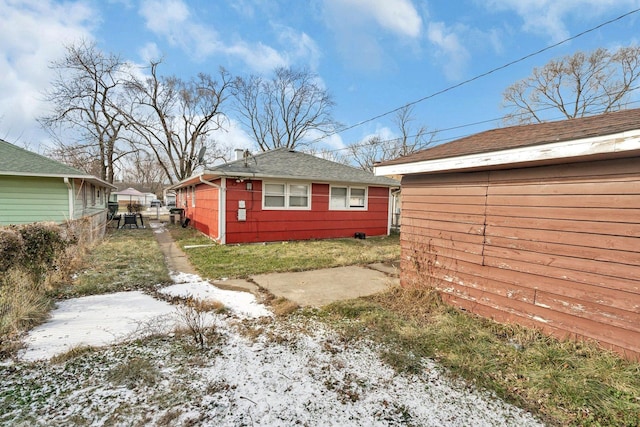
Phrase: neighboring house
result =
(536, 224)
(285, 195)
(128, 196)
(34, 188)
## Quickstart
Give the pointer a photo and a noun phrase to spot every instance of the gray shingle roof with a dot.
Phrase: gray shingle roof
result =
(283, 163)
(528, 135)
(18, 161)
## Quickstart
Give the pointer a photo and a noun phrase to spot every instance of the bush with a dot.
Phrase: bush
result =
(29, 255)
(43, 243)
(11, 248)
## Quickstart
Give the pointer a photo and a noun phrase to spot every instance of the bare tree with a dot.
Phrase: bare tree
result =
(284, 111)
(174, 119)
(143, 169)
(79, 156)
(84, 95)
(375, 149)
(578, 85)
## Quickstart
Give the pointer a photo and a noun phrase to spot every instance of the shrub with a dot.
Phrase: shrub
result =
(11, 248)
(43, 242)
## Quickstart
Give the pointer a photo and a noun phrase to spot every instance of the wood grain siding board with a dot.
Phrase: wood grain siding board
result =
(575, 264)
(621, 201)
(444, 216)
(584, 239)
(565, 225)
(599, 313)
(566, 213)
(551, 316)
(626, 284)
(590, 187)
(560, 246)
(583, 252)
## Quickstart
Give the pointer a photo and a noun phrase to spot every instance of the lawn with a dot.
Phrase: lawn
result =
(126, 259)
(566, 383)
(240, 261)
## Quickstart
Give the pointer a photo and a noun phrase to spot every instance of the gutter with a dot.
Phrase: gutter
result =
(70, 191)
(222, 207)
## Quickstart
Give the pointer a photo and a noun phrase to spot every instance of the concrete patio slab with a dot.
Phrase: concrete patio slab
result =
(320, 287)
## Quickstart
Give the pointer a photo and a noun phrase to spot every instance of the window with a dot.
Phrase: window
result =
(285, 196)
(193, 196)
(348, 198)
(356, 198)
(274, 195)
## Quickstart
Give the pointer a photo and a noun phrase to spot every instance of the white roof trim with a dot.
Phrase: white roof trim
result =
(614, 143)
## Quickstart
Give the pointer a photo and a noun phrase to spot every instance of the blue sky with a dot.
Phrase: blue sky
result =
(373, 56)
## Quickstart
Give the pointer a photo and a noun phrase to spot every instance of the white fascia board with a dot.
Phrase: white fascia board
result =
(614, 143)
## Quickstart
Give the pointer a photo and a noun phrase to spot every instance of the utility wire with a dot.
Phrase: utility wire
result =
(479, 76)
(450, 138)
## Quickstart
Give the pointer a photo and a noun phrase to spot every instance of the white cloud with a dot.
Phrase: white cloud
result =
(396, 16)
(172, 20)
(150, 52)
(356, 25)
(547, 17)
(232, 137)
(302, 47)
(448, 46)
(32, 35)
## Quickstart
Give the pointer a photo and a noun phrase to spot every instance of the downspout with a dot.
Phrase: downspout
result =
(70, 191)
(392, 207)
(222, 205)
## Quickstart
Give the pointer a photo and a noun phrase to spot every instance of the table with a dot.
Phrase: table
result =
(131, 220)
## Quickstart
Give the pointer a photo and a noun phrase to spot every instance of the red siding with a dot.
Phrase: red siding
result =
(204, 216)
(554, 247)
(317, 223)
(280, 225)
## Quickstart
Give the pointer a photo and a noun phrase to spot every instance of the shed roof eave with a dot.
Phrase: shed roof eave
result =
(580, 149)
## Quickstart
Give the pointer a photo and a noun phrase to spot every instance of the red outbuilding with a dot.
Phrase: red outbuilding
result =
(283, 195)
(535, 224)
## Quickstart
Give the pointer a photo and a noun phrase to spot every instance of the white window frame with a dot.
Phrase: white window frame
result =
(347, 204)
(287, 195)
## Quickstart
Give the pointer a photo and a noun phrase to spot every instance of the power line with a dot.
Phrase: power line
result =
(479, 76)
(436, 131)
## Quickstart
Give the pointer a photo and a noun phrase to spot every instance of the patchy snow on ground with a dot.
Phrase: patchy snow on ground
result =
(96, 320)
(192, 286)
(255, 369)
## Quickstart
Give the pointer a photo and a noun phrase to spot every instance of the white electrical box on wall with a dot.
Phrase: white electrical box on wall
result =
(242, 214)
(241, 204)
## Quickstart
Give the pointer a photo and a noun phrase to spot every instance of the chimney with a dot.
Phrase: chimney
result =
(239, 153)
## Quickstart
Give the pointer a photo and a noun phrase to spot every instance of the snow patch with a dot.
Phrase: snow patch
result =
(97, 320)
(243, 304)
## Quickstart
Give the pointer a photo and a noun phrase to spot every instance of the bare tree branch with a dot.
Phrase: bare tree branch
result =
(375, 149)
(578, 85)
(174, 118)
(285, 110)
(84, 96)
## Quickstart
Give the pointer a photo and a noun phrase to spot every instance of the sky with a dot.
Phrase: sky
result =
(372, 56)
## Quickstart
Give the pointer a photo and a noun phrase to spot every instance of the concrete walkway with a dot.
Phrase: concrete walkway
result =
(307, 288)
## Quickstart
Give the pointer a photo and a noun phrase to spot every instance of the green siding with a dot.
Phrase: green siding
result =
(32, 199)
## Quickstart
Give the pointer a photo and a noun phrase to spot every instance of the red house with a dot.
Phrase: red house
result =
(285, 195)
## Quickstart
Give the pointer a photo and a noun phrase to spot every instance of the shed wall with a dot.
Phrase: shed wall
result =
(555, 247)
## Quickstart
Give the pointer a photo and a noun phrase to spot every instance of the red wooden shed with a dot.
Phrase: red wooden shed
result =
(536, 224)
(283, 195)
